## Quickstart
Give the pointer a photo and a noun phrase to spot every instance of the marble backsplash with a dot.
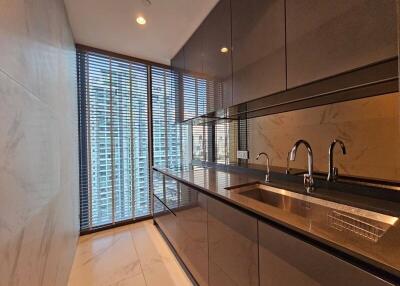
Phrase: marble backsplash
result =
(39, 207)
(370, 129)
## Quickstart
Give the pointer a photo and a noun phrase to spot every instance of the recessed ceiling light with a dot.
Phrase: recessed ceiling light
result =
(224, 50)
(141, 20)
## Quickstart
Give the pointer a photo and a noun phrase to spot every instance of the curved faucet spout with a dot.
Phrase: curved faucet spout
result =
(293, 153)
(266, 156)
(333, 171)
(308, 178)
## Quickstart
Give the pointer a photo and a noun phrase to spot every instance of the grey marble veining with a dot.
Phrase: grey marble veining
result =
(369, 127)
(39, 208)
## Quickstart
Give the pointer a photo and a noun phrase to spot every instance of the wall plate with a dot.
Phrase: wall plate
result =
(243, 154)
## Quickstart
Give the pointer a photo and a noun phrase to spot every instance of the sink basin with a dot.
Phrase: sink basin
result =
(367, 224)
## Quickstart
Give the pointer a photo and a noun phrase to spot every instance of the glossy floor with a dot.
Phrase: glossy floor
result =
(129, 255)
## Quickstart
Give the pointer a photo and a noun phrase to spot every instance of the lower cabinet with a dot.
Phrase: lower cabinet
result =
(286, 260)
(181, 213)
(233, 246)
(166, 220)
(223, 246)
(192, 232)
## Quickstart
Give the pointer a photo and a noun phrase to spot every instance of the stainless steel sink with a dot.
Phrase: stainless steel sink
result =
(368, 224)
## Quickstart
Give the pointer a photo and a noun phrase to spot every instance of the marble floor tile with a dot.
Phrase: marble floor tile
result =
(105, 259)
(134, 254)
(158, 262)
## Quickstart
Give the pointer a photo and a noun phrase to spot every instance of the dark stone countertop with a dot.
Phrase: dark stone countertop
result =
(383, 254)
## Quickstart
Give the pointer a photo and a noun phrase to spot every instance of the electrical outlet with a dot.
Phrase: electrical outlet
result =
(243, 154)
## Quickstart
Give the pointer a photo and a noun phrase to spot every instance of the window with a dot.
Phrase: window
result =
(215, 141)
(201, 142)
(114, 147)
(224, 142)
(114, 135)
(114, 123)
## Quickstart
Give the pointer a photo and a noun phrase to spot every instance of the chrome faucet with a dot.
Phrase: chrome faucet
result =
(287, 163)
(266, 155)
(308, 178)
(333, 171)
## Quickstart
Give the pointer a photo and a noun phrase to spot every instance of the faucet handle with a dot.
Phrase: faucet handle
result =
(287, 163)
(333, 171)
(335, 174)
(308, 183)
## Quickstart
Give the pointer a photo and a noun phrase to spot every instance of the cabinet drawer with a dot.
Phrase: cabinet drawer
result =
(287, 260)
(192, 224)
(166, 220)
(233, 257)
(181, 213)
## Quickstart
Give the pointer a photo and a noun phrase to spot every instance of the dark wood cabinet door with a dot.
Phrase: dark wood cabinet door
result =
(232, 242)
(194, 86)
(181, 213)
(192, 223)
(217, 64)
(193, 51)
(286, 260)
(166, 220)
(165, 194)
(326, 38)
(178, 65)
(258, 40)
(178, 61)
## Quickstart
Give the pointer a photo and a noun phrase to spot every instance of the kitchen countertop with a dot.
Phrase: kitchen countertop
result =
(383, 254)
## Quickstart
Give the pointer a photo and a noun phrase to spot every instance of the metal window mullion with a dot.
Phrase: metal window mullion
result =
(112, 146)
(89, 153)
(196, 101)
(150, 133)
(204, 143)
(165, 121)
(177, 119)
(226, 141)
(132, 143)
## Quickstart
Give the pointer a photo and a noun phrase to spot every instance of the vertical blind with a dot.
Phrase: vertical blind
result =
(114, 151)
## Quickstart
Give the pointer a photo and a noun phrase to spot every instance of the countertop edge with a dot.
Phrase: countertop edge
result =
(379, 269)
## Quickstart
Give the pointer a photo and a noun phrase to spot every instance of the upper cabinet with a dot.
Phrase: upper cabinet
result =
(193, 51)
(207, 80)
(217, 63)
(178, 61)
(258, 40)
(326, 38)
(194, 89)
(287, 51)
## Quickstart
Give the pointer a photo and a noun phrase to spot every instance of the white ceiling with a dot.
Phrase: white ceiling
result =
(111, 25)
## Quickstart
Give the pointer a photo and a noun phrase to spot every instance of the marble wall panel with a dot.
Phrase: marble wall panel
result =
(369, 127)
(39, 207)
